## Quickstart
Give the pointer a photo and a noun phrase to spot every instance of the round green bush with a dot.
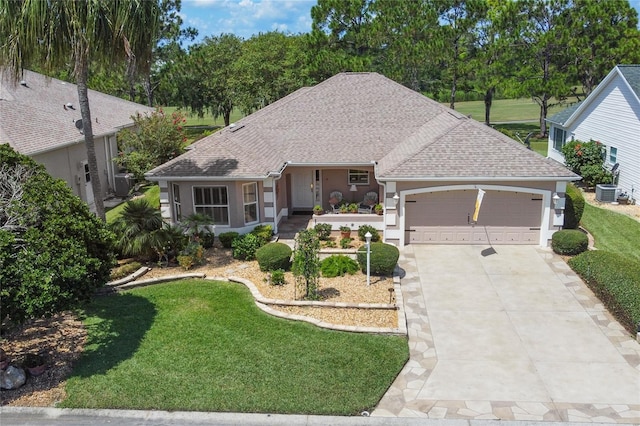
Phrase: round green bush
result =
(384, 258)
(574, 206)
(274, 256)
(569, 242)
(226, 238)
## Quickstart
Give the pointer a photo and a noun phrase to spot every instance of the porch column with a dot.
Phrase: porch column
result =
(165, 205)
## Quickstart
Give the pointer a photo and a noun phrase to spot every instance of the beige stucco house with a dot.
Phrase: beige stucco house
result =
(361, 132)
(38, 118)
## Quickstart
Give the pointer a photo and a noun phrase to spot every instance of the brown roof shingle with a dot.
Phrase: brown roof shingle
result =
(357, 118)
(33, 119)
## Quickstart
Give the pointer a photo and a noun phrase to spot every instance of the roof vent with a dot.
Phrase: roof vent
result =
(78, 124)
(235, 128)
(23, 83)
(69, 105)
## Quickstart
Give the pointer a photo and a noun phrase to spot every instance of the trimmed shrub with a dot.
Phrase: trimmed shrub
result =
(384, 258)
(192, 254)
(124, 270)
(264, 232)
(574, 207)
(345, 243)
(245, 246)
(226, 238)
(338, 265)
(274, 256)
(615, 279)
(569, 242)
(323, 230)
(362, 231)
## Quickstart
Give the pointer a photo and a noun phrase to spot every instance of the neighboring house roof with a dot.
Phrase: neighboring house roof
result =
(34, 118)
(356, 119)
(630, 74)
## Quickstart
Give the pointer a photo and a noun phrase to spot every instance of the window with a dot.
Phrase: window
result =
(559, 138)
(613, 155)
(213, 202)
(87, 175)
(250, 202)
(177, 207)
(358, 177)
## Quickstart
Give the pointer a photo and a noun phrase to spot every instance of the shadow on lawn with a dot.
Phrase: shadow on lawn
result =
(116, 325)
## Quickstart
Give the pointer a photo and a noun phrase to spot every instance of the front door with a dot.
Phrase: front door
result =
(303, 187)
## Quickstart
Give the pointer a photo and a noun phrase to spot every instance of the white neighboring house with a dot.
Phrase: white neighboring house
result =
(610, 115)
(38, 118)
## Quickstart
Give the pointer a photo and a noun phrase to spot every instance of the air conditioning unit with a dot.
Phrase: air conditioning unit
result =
(606, 193)
(124, 183)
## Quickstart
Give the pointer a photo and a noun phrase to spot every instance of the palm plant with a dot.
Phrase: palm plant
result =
(197, 225)
(138, 230)
(57, 33)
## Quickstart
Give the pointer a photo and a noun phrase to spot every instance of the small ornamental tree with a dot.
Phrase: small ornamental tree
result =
(306, 263)
(155, 139)
(54, 253)
(586, 159)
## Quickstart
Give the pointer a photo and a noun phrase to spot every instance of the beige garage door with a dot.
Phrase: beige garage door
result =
(445, 218)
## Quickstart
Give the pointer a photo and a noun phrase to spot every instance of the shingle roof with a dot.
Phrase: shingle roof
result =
(357, 118)
(562, 116)
(33, 118)
(631, 73)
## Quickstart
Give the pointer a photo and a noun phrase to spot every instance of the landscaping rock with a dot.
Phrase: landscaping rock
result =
(12, 378)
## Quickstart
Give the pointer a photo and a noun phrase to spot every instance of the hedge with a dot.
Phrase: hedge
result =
(573, 208)
(569, 242)
(384, 258)
(615, 279)
(274, 256)
(226, 238)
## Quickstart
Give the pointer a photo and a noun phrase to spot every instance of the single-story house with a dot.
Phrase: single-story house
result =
(610, 115)
(357, 133)
(40, 117)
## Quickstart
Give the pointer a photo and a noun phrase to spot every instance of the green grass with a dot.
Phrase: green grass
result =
(612, 231)
(151, 193)
(539, 145)
(204, 346)
(522, 109)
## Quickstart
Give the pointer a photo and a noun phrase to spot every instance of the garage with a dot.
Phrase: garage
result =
(445, 217)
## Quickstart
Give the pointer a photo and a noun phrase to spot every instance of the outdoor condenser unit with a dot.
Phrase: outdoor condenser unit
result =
(606, 193)
(124, 183)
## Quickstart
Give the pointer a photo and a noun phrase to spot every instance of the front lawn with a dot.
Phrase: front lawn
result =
(612, 231)
(204, 346)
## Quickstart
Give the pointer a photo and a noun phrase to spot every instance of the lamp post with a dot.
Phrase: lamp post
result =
(367, 237)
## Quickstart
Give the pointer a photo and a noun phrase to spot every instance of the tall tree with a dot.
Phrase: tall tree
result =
(459, 28)
(603, 34)
(57, 32)
(270, 66)
(409, 38)
(538, 36)
(205, 76)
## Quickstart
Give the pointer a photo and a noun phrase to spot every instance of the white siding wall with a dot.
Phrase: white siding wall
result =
(613, 118)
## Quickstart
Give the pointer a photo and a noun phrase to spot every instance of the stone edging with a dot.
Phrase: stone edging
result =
(263, 302)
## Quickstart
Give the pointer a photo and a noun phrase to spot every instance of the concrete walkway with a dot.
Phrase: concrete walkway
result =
(515, 335)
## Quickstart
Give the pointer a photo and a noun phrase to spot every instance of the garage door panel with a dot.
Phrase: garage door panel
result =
(445, 218)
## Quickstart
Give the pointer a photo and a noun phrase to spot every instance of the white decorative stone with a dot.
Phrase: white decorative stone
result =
(12, 378)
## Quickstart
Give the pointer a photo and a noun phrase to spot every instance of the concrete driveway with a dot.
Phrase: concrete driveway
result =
(514, 335)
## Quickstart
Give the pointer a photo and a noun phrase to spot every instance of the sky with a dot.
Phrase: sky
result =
(245, 18)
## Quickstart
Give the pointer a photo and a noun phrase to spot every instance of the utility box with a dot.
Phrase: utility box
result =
(606, 193)
(124, 183)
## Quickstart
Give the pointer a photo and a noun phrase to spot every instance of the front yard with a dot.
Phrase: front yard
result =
(204, 345)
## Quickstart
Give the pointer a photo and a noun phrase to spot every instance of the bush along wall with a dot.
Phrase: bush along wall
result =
(384, 258)
(574, 207)
(615, 279)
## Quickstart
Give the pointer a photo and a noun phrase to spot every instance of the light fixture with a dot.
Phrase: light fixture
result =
(556, 199)
(396, 198)
(367, 238)
(353, 188)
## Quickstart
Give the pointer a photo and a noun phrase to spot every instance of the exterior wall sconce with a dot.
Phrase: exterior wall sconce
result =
(556, 200)
(396, 198)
